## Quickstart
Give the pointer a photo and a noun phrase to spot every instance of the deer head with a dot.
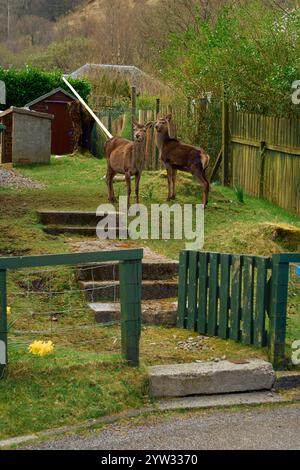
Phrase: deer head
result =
(162, 124)
(140, 131)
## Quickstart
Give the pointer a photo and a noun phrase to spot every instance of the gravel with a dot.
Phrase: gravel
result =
(263, 428)
(12, 179)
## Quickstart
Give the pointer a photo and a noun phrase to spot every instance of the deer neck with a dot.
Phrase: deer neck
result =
(162, 139)
(139, 153)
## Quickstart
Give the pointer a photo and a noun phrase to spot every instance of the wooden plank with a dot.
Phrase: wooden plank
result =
(203, 285)
(225, 140)
(100, 124)
(278, 312)
(235, 318)
(213, 284)
(225, 263)
(216, 166)
(192, 310)
(182, 289)
(261, 302)
(247, 318)
(73, 258)
(130, 300)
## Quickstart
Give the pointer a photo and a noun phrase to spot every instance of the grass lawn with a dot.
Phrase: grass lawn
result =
(85, 376)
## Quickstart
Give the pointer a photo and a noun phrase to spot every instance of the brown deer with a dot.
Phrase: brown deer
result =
(178, 156)
(128, 158)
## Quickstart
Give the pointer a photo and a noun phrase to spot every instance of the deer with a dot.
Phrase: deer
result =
(176, 155)
(128, 158)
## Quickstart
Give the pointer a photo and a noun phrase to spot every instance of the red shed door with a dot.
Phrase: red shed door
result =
(62, 129)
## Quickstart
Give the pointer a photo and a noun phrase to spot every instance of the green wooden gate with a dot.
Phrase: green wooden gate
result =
(130, 270)
(243, 298)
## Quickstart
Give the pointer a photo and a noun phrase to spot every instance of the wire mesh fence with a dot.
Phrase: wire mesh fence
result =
(52, 304)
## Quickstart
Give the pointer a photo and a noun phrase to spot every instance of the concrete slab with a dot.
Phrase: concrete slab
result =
(151, 270)
(287, 379)
(110, 290)
(227, 400)
(154, 312)
(210, 378)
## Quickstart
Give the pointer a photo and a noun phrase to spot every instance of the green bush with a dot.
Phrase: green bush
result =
(25, 85)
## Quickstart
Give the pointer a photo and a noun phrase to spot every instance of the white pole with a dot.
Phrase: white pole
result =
(100, 124)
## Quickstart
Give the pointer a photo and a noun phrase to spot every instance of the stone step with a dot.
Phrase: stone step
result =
(72, 217)
(85, 231)
(110, 290)
(211, 378)
(110, 271)
(154, 312)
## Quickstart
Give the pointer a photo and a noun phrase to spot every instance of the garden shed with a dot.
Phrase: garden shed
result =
(26, 137)
(66, 126)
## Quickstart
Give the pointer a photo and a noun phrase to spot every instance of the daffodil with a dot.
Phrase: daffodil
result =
(41, 348)
(8, 311)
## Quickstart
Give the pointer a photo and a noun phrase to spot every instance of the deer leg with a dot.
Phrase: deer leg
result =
(128, 182)
(109, 181)
(137, 186)
(169, 173)
(200, 176)
(174, 174)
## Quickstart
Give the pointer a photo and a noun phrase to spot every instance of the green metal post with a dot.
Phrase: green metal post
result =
(3, 323)
(130, 273)
(277, 310)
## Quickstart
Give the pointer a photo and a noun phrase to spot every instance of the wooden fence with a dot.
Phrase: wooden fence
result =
(264, 156)
(243, 298)
(130, 270)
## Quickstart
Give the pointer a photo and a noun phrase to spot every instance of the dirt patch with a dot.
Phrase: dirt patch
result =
(12, 179)
(99, 245)
(286, 235)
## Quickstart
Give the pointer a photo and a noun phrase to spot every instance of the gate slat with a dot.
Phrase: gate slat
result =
(203, 284)
(224, 296)
(192, 315)
(247, 318)
(212, 328)
(182, 289)
(235, 319)
(261, 302)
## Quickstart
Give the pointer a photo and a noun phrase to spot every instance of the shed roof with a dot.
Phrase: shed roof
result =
(41, 98)
(28, 112)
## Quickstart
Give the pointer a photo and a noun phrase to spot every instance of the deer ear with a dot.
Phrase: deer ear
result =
(169, 117)
(135, 123)
(149, 125)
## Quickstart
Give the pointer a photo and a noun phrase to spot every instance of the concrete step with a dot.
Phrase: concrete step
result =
(154, 312)
(72, 217)
(222, 400)
(110, 290)
(211, 378)
(85, 231)
(110, 271)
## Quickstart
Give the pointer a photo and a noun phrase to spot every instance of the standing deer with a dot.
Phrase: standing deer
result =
(178, 156)
(126, 157)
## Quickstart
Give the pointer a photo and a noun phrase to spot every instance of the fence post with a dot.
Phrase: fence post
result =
(133, 106)
(277, 311)
(225, 140)
(3, 323)
(130, 273)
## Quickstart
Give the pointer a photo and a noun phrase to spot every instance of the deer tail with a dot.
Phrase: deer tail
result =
(204, 157)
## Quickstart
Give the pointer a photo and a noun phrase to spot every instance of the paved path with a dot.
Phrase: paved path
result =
(268, 428)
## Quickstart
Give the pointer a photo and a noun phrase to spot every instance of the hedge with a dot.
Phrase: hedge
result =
(25, 85)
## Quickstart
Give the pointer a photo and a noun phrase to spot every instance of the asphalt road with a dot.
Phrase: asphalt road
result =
(264, 428)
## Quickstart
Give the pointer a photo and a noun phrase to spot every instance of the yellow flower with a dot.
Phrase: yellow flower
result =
(8, 311)
(41, 348)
